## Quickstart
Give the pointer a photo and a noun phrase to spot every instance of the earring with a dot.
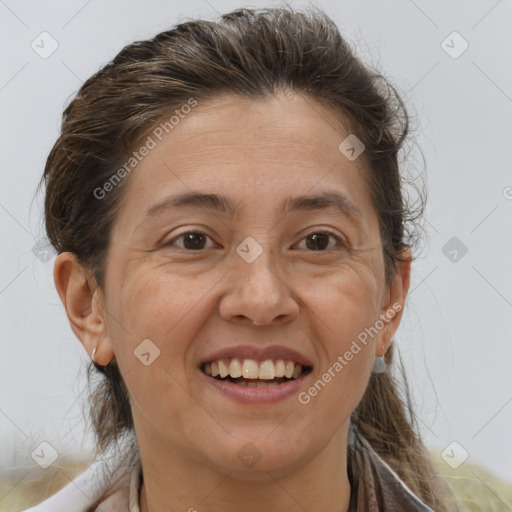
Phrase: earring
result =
(93, 353)
(379, 365)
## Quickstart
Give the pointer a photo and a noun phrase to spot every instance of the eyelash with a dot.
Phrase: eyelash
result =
(339, 241)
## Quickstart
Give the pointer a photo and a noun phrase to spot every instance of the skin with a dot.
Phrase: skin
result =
(190, 303)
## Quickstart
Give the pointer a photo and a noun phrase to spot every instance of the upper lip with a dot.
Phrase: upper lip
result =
(273, 352)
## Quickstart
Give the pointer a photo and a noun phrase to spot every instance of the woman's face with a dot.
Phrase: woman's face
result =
(233, 274)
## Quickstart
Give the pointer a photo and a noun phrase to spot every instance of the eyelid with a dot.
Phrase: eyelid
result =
(340, 240)
(171, 241)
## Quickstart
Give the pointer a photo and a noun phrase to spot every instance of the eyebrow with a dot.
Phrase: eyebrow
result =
(203, 201)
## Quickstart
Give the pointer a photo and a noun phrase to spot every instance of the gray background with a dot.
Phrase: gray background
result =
(455, 336)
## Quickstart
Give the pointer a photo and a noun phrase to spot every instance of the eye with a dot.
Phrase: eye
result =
(195, 240)
(319, 240)
(192, 240)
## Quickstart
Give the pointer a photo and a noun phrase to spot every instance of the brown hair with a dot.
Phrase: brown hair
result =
(252, 54)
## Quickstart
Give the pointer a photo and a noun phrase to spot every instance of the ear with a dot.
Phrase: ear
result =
(394, 302)
(84, 307)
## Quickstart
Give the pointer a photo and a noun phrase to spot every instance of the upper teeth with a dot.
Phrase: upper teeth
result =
(252, 369)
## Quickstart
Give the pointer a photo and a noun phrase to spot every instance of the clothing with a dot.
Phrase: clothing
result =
(375, 487)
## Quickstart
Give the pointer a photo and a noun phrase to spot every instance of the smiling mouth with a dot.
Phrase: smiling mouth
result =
(252, 373)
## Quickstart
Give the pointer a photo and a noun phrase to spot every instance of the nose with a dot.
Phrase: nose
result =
(259, 293)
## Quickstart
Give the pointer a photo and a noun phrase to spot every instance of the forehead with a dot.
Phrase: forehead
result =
(244, 126)
(271, 146)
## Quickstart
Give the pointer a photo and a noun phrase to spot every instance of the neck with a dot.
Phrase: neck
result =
(320, 483)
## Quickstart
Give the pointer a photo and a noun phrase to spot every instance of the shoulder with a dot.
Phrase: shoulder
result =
(82, 492)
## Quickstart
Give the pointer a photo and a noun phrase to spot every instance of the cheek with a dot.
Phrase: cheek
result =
(157, 302)
(342, 378)
(155, 322)
(155, 313)
(346, 313)
(338, 386)
(346, 301)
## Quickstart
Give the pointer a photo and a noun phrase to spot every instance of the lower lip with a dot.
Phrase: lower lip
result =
(263, 395)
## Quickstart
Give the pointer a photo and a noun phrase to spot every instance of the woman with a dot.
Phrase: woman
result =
(227, 207)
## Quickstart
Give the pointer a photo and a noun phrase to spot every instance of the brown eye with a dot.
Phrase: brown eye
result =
(320, 241)
(192, 241)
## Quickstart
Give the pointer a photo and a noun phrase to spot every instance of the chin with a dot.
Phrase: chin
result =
(252, 460)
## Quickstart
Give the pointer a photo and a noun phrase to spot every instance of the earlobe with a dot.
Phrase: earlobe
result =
(84, 308)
